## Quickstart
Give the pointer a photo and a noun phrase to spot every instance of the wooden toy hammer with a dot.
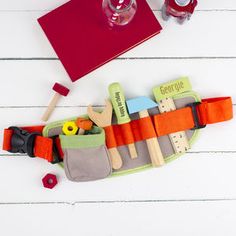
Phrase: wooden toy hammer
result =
(60, 90)
(141, 105)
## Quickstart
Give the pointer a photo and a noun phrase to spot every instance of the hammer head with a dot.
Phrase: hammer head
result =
(59, 88)
(140, 104)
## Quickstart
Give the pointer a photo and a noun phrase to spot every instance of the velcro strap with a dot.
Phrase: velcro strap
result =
(43, 148)
(214, 110)
(136, 130)
(110, 137)
(174, 121)
(7, 139)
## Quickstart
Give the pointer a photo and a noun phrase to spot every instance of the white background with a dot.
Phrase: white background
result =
(194, 195)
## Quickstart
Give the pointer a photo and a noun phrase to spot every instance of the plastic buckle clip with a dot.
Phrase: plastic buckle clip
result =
(196, 119)
(56, 154)
(22, 141)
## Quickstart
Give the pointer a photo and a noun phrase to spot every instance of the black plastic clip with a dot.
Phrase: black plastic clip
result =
(196, 119)
(56, 154)
(22, 141)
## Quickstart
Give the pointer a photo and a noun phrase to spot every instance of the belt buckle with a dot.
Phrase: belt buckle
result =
(22, 141)
(196, 119)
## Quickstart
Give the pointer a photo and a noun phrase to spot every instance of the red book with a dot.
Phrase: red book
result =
(82, 40)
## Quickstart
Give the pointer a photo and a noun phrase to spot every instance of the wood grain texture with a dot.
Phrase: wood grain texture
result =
(195, 176)
(203, 30)
(209, 77)
(194, 195)
(198, 217)
(28, 5)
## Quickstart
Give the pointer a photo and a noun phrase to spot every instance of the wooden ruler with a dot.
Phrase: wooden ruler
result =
(179, 139)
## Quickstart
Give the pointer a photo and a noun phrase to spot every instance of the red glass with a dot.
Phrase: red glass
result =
(181, 9)
(119, 12)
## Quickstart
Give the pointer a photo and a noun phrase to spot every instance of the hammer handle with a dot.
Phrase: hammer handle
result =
(155, 152)
(51, 107)
(153, 146)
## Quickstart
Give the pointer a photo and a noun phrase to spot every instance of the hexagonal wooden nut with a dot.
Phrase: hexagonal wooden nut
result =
(83, 124)
(49, 181)
(69, 128)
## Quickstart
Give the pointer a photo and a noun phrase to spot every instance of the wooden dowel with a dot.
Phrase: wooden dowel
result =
(51, 107)
(115, 158)
(132, 151)
(153, 146)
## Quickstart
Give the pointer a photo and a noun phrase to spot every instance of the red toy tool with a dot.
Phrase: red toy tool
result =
(60, 90)
(181, 9)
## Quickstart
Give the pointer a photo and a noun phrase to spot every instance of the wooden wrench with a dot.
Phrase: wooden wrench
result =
(103, 120)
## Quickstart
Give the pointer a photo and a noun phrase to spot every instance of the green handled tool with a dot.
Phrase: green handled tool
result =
(122, 115)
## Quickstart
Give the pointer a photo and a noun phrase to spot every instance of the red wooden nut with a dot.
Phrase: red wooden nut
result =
(59, 88)
(49, 181)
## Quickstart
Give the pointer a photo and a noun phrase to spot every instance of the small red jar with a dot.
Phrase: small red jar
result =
(181, 9)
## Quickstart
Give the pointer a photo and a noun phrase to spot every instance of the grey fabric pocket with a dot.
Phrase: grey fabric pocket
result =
(86, 157)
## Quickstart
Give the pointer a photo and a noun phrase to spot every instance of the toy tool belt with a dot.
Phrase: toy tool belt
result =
(174, 124)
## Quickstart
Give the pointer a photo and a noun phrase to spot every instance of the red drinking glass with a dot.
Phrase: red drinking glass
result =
(181, 9)
(119, 12)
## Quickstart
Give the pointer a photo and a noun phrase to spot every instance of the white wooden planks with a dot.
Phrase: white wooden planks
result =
(168, 218)
(194, 195)
(32, 80)
(192, 177)
(206, 35)
(28, 5)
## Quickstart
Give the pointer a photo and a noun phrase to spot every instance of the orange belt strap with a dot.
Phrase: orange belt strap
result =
(43, 147)
(136, 130)
(209, 111)
(213, 110)
(194, 116)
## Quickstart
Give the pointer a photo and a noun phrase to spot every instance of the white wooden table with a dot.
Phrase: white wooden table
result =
(194, 195)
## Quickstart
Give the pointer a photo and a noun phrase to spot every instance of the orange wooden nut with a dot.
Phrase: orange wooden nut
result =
(83, 123)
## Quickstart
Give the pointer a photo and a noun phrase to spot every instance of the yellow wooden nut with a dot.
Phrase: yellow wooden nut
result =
(69, 128)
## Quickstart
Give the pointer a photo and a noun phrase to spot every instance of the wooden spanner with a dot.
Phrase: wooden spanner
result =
(103, 120)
